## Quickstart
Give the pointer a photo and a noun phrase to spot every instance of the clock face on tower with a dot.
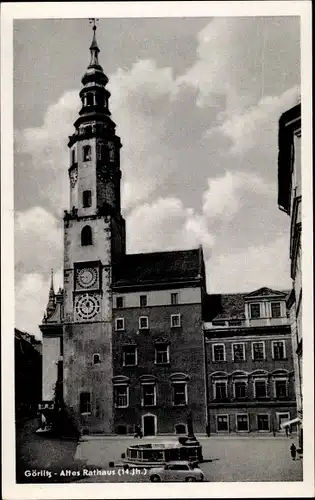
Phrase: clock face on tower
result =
(87, 277)
(87, 306)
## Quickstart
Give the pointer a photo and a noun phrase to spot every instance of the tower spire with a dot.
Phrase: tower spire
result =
(51, 297)
(94, 47)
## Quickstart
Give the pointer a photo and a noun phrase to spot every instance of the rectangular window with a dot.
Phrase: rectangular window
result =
(148, 395)
(119, 302)
(222, 423)
(281, 389)
(180, 394)
(119, 324)
(242, 422)
(143, 300)
(278, 350)
(275, 310)
(174, 298)
(130, 356)
(238, 352)
(85, 402)
(240, 390)
(86, 153)
(87, 199)
(218, 352)
(255, 311)
(263, 422)
(258, 351)
(143, 323)
(121, 396)
(175, 320)
(73, 156)
(161, 354)
(220, 390)
(260, 389)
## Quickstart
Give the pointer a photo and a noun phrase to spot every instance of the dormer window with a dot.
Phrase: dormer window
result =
(275, 310)
(86, 153)
(254, 311)
(87, 199)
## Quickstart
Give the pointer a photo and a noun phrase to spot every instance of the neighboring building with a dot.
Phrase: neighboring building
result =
(123, 340)
(290, 201)
(250, 376)
(28, 374)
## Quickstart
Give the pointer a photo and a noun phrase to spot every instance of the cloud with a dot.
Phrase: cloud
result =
(166, 224)
(262, 265)
(226, 194)
(251, 127)
(243, 58)
(38, 241)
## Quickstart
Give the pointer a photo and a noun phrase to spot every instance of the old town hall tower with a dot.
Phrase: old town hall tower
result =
(94, 241)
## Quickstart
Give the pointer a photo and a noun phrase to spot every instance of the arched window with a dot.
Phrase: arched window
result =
(86, 236)
(72, 156)
(86, 153)
(87, 199)
(96, 359)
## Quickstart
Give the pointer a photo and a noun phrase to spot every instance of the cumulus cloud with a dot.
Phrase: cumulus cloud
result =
(244, 71)
(166, 224)
(263, 265)
(38, 241)
(249, 128)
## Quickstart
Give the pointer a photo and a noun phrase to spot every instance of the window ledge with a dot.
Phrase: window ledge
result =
(85, 413)
(162, 364)
(121, 406)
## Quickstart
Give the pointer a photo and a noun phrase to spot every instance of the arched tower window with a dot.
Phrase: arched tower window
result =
(86, 153)
(86, 236)
(87, 199)
(96, 359)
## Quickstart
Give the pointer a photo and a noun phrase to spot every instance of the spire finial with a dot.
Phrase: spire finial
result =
(52, 281)
(94, 47)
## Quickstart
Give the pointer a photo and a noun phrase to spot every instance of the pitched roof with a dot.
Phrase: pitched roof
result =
(224, 306)
(159, 267)
(264, 291)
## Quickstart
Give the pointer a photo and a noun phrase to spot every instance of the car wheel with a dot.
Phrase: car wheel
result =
(190, 479)
(155, 479)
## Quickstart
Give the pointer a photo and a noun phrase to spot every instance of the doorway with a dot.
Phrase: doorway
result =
(281, 418)
(149, 425)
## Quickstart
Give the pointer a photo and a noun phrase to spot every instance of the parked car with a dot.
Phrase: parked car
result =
(177, 471)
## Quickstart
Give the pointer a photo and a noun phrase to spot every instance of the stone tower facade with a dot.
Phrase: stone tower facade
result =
(94, 241)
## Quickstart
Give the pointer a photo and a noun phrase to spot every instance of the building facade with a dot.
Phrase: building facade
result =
(123, 339)
(250, 376)
(290, 201)
(28, 374)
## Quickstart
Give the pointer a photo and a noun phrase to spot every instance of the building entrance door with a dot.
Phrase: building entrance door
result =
(282, 417)
(149, 425)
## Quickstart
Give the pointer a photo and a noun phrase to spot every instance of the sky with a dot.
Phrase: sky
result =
(196, 102)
